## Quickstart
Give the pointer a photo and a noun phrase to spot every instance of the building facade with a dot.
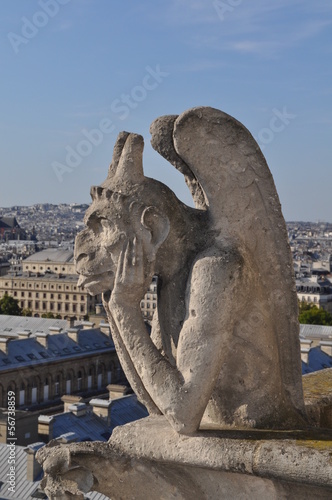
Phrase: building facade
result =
(316, 291)
(48, 284)
(40, 365)
(10, 229)
(149, 303)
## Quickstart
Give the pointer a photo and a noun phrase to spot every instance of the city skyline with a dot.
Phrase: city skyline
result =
(76, 73)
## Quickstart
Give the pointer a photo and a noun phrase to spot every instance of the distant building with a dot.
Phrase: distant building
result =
(48, 284)
(4, 267)
(41, 359)
(10, 229)
(149, 303)
(51, 260)
(316, 347)
(315, 290)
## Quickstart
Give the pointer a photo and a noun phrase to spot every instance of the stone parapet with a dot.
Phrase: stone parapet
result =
(147, 459)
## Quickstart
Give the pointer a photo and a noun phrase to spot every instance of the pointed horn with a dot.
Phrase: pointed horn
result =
(130, 167)
(120, 142)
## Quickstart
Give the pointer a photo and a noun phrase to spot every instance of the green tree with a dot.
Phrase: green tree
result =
(26, 312)
(50, 315)
(9, 305)
(309, 314)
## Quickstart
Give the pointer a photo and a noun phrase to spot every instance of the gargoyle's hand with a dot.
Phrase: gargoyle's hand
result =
(133, 276)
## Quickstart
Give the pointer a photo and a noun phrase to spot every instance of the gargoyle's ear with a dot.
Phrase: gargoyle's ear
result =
(157, 224)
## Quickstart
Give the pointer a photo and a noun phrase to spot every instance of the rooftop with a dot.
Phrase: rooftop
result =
(26, 337)
(88, 427)
(8, 222)
(15, 324)
(48, 276)
(58, 255)
(30, 352)
(317, 360)
(315, 331)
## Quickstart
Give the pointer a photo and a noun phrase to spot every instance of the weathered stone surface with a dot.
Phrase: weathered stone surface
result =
(224, 347)
(147, 459)
(222, 364)
(317, 389)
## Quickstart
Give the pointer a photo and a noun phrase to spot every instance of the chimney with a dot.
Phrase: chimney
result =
(305, 343)
(105, 328)
(68, 400)
(24, 334)
(305, 354)
(4, 344)
(42, 338)
(100, 309)
(45, 427)
(68, 437)
(116, 391)
(326, 346)
(55, 329)
(78, 409)
(70, 321)
(102, 408)
(34, 468)
(73, 334)
(87, 325)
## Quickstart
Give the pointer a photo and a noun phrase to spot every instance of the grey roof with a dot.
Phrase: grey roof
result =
(58, 255)
(8, 222)
(48, 276)
(29, 352)
(90, 427)
(17, 323)
(125, 410)
(86, 427)
(24, 488)
(317, 360)
(315, 331)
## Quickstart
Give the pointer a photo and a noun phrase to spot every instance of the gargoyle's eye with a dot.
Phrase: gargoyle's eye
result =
(96, 223)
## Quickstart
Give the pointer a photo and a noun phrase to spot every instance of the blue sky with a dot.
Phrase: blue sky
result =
(69, 67)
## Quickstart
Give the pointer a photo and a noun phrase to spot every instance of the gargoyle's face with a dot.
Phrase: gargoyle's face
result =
(97, 248)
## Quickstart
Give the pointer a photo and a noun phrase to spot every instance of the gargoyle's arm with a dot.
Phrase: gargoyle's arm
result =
(182, 392)
(126, 362)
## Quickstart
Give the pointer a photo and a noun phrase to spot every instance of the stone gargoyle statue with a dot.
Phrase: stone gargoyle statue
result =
(224, 347)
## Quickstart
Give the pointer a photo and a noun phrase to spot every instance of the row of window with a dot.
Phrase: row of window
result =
(51, 296)
(46, 390)
(58, 306)
(44, 286)
(311, 289)
(41, 268)
(309, 299)
(148, 305)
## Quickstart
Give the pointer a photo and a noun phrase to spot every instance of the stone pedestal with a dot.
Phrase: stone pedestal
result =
(147, 459)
